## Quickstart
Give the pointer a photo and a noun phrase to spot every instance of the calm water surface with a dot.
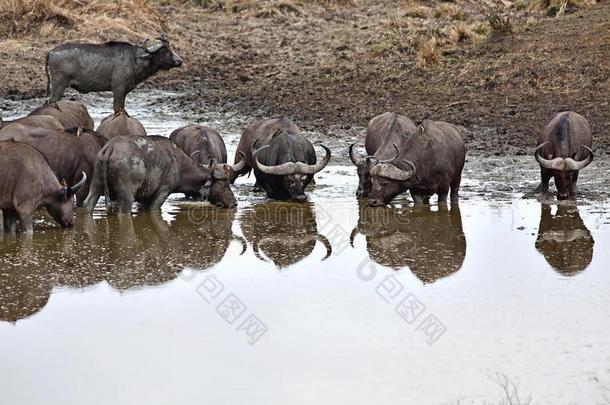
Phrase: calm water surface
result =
(328, 302)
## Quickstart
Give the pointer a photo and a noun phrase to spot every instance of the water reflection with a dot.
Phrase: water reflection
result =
(564, 240)
(285, 232)
(431, 243)
(126, 252)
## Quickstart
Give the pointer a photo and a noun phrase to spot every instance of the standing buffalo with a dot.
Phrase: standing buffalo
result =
(430, 162)
(564, 240)
(206, 147)
(28, 183)
(119, 124)
(116, 66)
(431, 243)
(70, 152)
(285, 162)
(382, 133)
(39, 121)
(564, 149)
(147, 170)
(69, 113)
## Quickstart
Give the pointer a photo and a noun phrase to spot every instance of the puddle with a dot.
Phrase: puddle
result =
(324, 302)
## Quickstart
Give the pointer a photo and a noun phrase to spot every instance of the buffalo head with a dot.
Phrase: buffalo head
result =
(295, 175)
(216, 188)
(160, 55)
(389, 178)
(564, 170)
(61, 205)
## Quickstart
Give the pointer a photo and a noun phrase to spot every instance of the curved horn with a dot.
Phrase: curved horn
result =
(163, 38)
(280, 170)
(303, 168)
(572, 164)
(353, 235)
(377, 161)
(76, 188)
(194, 153)
(327, 245)
(257, 253)
(244, 245)
(154, 48)
(554, 164)
(239, 165)
(353, 158)
(392, 172)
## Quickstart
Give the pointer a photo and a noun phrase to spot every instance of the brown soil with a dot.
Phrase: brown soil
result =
(332, 69)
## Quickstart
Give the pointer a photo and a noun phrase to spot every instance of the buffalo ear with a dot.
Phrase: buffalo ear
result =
(63, 194)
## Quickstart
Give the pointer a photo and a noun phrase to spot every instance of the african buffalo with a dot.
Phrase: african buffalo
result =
(431, 243)
(382, 133)
(285, 161)
(116, 66)
(29, 183)
(119, 124)
(429, 162)
(147, 170)
(70, 152)
(564, 149)
(286, 233)
(39, 121)
(206, 147)
(70, 114)
(564, 240)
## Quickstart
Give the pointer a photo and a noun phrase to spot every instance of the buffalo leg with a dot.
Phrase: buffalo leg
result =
(573, 187)
(418, 199)
(544, 182)
(157, 200)
(58, 85)
(96, 189)
(10, 221)
(119, 95)
(27, 221)
(455, 188)
(442, 197)
(125, 198)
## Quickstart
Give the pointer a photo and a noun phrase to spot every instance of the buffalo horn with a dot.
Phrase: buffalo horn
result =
(353, 158)
(572, 164)
(303, 168)
(76, 188)
(280, 170)
(562, 164)
(392, 172)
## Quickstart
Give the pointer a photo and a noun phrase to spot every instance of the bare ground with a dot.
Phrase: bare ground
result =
(333, 69)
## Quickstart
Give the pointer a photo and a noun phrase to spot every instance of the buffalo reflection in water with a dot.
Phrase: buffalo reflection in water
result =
(431, 243)
(285, 232)
(564, 240)
(126, 252)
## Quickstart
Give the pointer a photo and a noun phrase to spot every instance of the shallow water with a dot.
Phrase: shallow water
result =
(326, 302)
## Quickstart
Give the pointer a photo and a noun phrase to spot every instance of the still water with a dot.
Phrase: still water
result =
(328, 302)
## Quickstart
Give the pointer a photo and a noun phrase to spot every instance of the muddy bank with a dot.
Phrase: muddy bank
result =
(333, 70)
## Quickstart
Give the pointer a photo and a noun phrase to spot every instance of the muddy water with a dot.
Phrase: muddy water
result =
(326, 302)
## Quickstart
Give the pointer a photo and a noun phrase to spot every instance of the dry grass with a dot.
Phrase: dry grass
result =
(67, 18)
(558, 7)
(499, 20)
(428, 53)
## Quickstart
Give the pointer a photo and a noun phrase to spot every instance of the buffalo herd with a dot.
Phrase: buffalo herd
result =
(54, 158)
